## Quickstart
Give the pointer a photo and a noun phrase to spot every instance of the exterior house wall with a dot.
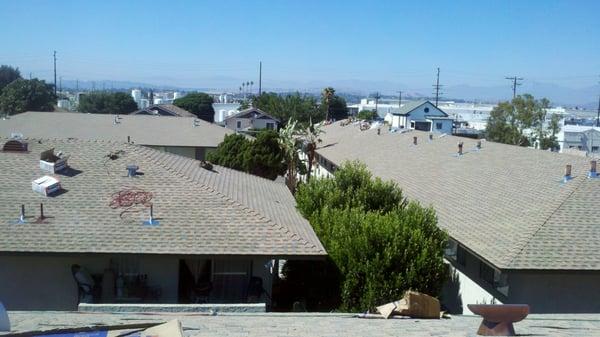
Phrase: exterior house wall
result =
(556, 291)
(446, 126)
(247, 123)
(42, 282)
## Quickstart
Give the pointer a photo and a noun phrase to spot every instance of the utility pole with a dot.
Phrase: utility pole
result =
(515, 81)
(377, 97)
(399, 99)
(598, 117)
(60, 84)
(55, 73)
(437, 87)
(77, 85)
(259, 78)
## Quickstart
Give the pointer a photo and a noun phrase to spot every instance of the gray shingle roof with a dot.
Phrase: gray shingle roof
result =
(171, 109)
(142, 129)
(505, 203)
(408, 107)
(200, 212)
(246, 112)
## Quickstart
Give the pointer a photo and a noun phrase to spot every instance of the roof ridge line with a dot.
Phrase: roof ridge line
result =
(532, 235)
(243, 207)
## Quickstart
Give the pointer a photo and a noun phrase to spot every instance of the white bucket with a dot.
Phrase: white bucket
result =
(4, 323)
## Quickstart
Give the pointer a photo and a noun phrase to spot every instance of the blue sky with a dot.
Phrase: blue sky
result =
(304, 43)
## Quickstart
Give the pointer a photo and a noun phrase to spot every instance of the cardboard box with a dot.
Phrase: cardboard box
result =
(46, 185)
(51, 162)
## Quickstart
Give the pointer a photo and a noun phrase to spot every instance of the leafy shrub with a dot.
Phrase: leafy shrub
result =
(380, 243)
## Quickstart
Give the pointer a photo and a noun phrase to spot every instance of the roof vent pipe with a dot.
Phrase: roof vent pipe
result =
(151, 221)
(21, 219)
(479, 144)
(460, 148)
(430, 136)
(414, 140)
(132, 170)
(568, 173)
(593, 169)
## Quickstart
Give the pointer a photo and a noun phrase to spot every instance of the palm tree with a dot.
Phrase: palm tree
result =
(288, 142)
(251, 84)
(327, 94)
(310, 137)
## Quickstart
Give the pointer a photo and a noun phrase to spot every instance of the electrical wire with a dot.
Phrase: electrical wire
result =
(128, 198)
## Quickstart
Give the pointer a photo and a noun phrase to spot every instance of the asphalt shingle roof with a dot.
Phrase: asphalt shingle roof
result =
(505, 203)
(218, 212)
(142, 129)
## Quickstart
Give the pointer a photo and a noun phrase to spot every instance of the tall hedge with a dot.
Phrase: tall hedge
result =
(380, 243)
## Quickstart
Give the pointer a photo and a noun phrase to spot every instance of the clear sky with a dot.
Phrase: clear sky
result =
(198, 43)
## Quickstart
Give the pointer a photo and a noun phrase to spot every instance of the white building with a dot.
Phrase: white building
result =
(423, 116)
(579, 138)
(251, 119)
(137, 96)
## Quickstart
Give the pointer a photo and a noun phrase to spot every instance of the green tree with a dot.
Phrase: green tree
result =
(379, 243)
(107, 103)
(265, 157)
(7, 75)
(301, 108)
(288, 142)
(230, 153)
(367, 115)
(200, 104)
(326, 97)
(262, 157)
(27, 95)
(509, 120)
(310, 137)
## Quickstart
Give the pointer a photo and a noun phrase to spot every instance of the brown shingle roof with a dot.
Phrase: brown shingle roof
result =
(220, 212)
(505, 203)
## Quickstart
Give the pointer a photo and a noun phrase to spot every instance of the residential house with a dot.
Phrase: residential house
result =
(579, 137)
(186, 136)
(164, 110)
(519, 231)
(423, 116)
(251, 119)
(145, 225)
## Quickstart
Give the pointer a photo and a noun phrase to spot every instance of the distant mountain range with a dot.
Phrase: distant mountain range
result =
(586, 97)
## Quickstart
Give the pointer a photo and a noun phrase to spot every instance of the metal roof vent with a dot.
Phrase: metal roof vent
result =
(116, 120)
(460, 148)
(568, 175)
(196, 122)
(479, 144)
(151, 220)
(593, 170)
(21, 220)
(414, 140)
(132, 170)
(430, 136)
(15, 145)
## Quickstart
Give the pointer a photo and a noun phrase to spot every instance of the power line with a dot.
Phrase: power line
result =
(437, 87)
(516, 83)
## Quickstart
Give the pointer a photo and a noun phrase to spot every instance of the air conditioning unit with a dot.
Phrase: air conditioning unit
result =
(46, 185)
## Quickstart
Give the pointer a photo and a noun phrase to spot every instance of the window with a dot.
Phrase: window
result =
(494, 277)
(412, 124)
(270, 126)
(426, 110)
(580, 147)
(438, 126)
(239, 124)
(595, 148)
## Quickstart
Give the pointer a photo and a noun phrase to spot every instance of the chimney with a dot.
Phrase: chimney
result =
(593, 169)
(414, 140)
(460, 148)
(568, 172)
